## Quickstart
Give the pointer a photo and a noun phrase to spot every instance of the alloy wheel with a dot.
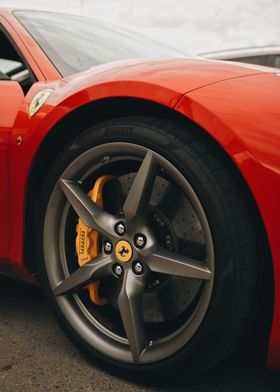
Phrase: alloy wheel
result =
(133, 255)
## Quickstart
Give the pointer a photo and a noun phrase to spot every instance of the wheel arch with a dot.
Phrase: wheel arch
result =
(91, 114)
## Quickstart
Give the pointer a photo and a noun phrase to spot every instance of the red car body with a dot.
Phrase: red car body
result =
(237, 105)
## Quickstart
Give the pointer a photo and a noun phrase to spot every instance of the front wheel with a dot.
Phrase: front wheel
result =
(143, 233)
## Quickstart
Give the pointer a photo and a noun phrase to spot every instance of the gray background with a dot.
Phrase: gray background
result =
(192, 25)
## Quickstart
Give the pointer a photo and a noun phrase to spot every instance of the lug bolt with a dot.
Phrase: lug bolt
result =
(118, 270)
(138, 268)
(120, 228)
(140, 241)
(108, 247)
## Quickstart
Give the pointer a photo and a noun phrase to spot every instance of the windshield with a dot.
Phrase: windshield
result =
(74, 43)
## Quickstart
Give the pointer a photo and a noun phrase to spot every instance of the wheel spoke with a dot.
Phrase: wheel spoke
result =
(92, 271)
(91, 215)
(139, 195)
(170, 263)
(130, 305)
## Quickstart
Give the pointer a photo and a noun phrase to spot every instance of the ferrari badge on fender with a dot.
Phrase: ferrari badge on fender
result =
(38, 101)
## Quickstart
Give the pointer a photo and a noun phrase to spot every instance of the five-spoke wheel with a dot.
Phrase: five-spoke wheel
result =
(134, 255)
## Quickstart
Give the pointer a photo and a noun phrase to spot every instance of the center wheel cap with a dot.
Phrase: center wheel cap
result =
(123, 251)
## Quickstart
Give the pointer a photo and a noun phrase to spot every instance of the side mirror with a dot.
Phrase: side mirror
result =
(11, 99)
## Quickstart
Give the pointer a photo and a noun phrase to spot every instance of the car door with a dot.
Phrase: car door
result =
(11, 98)
(15, 81)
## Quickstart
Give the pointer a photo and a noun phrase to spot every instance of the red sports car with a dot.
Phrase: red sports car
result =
(143, 194)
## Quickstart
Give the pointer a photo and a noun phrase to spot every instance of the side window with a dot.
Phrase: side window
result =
(12, 65)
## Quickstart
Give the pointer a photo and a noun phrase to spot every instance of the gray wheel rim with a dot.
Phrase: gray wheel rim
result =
(135, 348)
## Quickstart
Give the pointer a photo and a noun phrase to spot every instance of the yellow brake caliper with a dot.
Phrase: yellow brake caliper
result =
(87, 240)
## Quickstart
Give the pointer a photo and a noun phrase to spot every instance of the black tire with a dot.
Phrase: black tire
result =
(238, 265)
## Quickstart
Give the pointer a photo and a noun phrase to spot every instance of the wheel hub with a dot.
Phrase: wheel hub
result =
(123, 251)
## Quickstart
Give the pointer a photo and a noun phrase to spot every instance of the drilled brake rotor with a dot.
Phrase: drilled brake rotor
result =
(174, 292)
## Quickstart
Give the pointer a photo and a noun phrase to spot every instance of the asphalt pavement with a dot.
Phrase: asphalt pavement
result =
(36, 356)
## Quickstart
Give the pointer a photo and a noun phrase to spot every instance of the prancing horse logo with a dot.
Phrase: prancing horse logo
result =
(123, 251)
(38, 101)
